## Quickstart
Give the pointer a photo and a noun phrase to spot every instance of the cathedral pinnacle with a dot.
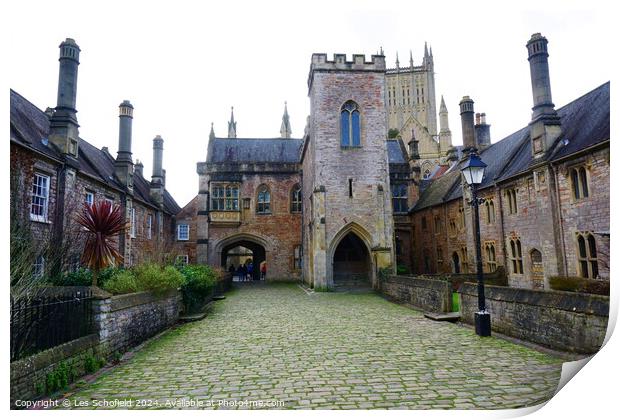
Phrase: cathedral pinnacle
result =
(442, 107)
(232, 125)
(397, 63)
(411, 59)
(212, 133)
(285, 128)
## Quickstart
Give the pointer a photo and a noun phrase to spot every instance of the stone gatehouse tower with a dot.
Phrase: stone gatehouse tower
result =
(347, 214)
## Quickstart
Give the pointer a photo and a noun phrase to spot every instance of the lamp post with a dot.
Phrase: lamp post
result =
(473, 172)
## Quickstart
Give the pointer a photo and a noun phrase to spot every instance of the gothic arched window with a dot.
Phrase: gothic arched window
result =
(296, 199)
(350, 125)
(263, 203)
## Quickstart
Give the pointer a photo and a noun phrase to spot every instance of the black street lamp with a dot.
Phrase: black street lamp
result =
(473, 172)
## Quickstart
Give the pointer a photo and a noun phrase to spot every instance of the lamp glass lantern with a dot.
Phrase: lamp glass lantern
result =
(473, 169)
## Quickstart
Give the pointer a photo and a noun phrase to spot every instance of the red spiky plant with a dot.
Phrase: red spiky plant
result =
(102, 222)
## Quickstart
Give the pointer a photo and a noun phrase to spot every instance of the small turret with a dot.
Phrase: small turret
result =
(157, 180)
(285, 127)
(232, 125)
(445, 135)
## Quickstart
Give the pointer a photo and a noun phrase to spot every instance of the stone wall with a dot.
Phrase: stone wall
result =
(125, 321)
(419, 293)
(565, 321)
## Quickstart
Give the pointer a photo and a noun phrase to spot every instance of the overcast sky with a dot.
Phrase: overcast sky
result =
(183, 64)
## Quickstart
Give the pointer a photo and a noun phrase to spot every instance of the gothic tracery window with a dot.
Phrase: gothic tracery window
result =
(263, 203)
(296, 199)
(350, 125)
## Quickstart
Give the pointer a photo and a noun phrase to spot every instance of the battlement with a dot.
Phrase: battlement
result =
(320, 61)
(339, 63)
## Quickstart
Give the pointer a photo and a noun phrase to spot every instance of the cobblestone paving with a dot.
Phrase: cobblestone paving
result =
(326, 350)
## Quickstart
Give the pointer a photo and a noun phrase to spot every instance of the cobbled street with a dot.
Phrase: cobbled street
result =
(284, 348)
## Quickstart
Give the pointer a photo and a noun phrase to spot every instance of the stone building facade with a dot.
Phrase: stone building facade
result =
(545, 193)
(54, 172)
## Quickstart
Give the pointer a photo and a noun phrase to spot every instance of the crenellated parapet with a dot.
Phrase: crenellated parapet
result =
(320, 63)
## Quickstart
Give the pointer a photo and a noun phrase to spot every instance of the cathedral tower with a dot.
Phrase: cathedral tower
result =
(348, 226)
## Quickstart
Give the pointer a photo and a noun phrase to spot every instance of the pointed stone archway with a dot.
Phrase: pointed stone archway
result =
(256, 245)
(350, 262)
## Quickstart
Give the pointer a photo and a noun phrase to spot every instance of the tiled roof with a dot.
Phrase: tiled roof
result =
(30, 127)
(585, 123)
(240, 150)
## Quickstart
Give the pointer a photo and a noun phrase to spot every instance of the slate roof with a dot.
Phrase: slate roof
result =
(30, 126)
(253, 150)
(585, 123)
(396, 154)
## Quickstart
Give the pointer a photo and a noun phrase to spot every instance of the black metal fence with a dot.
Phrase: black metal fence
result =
(48, 319)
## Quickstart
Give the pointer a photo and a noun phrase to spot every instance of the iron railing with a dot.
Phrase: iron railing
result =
(48, 319)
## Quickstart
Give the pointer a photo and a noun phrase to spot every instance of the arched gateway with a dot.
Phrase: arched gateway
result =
(351, 259)
(254, 249)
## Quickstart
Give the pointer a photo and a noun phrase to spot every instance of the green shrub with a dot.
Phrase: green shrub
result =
(59, 378)
(157, 280)
(80, 277)
(199, 282)
(120, 283)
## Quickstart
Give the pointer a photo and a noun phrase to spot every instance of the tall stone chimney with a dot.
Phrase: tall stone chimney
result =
(545, 125)
(157, 180)
(467, 123)
(139, 168)
(123, 165)
(63, 124)
(483, 131)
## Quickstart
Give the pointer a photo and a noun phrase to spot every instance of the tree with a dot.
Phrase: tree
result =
(102, 222)
(393, 133)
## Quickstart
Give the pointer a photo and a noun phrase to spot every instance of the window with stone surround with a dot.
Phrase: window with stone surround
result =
(511, 199)
(439, 256)
(437, 225)
(182, 259)
(516, 256)
(132, 227)
(224, 197)
(579, 183)
(424, 223)
(350, 128)
(183, 232)
(587, 255)
(40, 197)
(464, 259)
(296, 199)
(489, 249)
(399, 198)
(462, 217)
(149, 226)
(263, 201)
(489, 207)
(452, 226)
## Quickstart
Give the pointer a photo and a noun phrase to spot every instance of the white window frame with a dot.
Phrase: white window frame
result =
(92, 197)
(149, 226)
(132, 231)
(184, 237)
(44, 197)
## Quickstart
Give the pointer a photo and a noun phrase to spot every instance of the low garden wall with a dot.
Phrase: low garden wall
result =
(565, 321)
(125, 321)
(420, 293)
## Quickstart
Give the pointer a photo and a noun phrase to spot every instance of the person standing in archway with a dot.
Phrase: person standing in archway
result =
(250, 271)
(263, 270)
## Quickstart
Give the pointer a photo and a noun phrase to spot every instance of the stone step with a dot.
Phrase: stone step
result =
(446, 316)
